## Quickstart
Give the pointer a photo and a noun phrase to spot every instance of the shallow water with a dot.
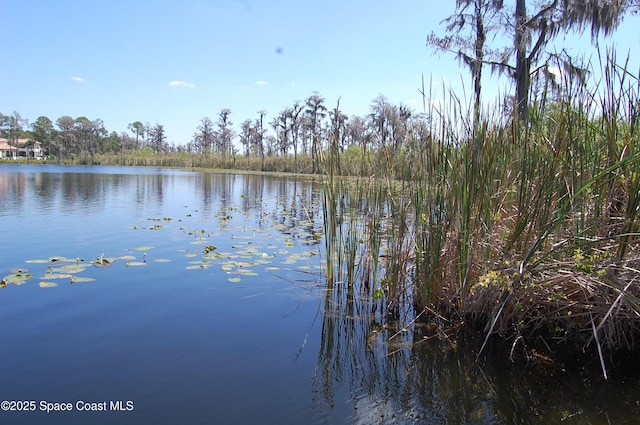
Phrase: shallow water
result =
(214, 310)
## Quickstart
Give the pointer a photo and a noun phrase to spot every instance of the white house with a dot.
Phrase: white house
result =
(20, 149)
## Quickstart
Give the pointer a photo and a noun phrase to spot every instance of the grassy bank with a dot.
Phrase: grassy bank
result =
(528, 231)
(284, 164)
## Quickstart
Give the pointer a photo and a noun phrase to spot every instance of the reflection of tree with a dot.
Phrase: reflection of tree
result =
(12, 191)
(297, 209)
(288, 205)
(77, 191)
(252, 194)
(149, 189)
(278, 204)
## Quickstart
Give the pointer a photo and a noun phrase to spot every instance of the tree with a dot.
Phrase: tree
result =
(203, 138)
(294, 128)
(337, 135)
(157, 138)
(83, 131)
(270, 145)
(531, 34)
(66, 124)
(98, 134)
(138, 129)
(43, 133)
(258, 136)
(358, 132)
(246, 136)
(315, 112)
(224, 134)
(469, 48)
(88, 134)
(382, 118)
(12, 127)
(282, 127)
(115, 142)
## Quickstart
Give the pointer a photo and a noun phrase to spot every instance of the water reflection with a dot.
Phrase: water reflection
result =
(364, 366)
(392, 374)
(291, 202)
(415, 374)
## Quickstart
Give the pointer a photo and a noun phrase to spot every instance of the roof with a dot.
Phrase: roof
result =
(5, 146)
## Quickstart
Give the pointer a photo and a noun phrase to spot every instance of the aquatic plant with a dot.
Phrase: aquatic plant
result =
(482, 221)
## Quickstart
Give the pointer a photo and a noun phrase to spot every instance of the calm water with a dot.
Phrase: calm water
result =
(213, 310)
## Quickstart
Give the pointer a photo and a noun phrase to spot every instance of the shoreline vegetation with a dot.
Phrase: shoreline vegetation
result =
(524, 231)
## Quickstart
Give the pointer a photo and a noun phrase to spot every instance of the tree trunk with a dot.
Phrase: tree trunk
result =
(477, 65)
(522, 61)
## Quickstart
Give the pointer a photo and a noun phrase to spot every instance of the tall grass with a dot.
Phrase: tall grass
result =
(528, 228)
(281, 164)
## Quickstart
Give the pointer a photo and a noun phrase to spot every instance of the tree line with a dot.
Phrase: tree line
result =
(308, 127)
(71, 138)
(312, 127)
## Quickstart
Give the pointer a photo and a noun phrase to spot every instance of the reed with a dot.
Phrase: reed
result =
(146, 157)
(529, 229)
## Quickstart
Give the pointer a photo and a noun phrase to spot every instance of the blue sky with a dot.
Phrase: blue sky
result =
(174, 62)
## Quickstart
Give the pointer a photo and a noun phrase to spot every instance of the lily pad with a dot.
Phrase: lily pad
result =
(135, 263)
(103, 261)
(61, 259)
(38, 261)
(54, 276)
(55, 258)
(68, 268)
(47, 284)
(144, 248)
(76, 279)
(16, 278)
(161, 260)
(199, 242)
(234, 279)
(196, 266)
(212, 256)
(263, 262)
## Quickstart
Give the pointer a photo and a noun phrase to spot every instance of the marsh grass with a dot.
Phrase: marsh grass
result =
(146, 157)
(528, 230)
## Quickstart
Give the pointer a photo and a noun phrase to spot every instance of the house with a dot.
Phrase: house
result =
(20, 149)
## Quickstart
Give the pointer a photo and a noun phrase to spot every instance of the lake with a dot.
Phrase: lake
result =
(161, 296)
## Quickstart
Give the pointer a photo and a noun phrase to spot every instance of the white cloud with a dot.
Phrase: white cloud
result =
(261, 83)
(181, 84)
(292, 84)
(78, 79)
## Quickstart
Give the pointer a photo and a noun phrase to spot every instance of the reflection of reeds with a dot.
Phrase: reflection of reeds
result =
(529, 227)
